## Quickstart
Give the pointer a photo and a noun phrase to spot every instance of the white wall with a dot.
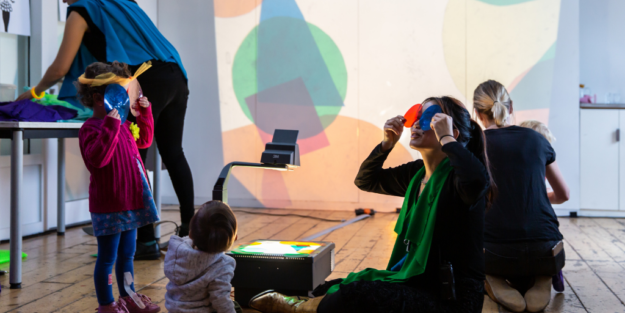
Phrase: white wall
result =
(150, 7)
(191, 29)
(43, 48)
(8, 76)
(602, 47)
(8, 59)
(564, 111)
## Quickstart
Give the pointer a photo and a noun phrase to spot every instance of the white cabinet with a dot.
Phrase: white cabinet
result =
(602, 157)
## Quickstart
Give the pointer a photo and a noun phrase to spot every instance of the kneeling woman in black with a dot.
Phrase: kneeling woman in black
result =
(523, 248)
(439, 231)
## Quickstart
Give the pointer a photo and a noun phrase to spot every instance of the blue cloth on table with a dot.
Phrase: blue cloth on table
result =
(113, 223)
(29, 111)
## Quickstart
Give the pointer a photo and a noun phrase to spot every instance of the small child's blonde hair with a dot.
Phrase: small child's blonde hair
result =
(540, 128)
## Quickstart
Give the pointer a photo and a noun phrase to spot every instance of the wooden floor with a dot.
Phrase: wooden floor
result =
(57, 275)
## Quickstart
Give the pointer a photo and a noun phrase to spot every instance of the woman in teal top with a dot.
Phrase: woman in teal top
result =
(437, 264)
(119, 30)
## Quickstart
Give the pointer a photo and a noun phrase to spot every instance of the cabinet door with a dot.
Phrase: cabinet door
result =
(599, 172)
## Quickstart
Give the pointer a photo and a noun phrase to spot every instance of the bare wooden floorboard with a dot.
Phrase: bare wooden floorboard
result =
(589, 275)
(301, 226)
(351, 255)
(58, 275)
(266, 231)
(318, 226)
(148, 275)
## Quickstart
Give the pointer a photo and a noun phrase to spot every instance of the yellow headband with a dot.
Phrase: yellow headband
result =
(111, 78)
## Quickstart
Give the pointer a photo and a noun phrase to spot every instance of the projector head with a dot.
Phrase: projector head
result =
(282, 150)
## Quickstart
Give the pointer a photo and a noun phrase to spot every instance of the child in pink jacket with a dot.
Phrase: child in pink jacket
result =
(120, 200)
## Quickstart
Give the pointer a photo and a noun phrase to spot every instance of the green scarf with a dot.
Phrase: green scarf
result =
(83, 113)
(416, 224)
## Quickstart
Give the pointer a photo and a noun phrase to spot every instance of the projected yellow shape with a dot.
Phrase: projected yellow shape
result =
(497, 39)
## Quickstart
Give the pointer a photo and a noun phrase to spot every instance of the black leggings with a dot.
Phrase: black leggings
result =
(521, 262)
(166, 88)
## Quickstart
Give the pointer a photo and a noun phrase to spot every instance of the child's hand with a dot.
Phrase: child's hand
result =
(114, 114)
(143, 102)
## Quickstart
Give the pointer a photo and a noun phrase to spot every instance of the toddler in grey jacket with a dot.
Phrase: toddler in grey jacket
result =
(199, 272)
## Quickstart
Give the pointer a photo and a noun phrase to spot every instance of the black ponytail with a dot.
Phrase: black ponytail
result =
(470, 135)
(477, 146)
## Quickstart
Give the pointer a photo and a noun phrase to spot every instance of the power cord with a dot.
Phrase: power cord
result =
(278, 214)
(292, 214)
(162, 222)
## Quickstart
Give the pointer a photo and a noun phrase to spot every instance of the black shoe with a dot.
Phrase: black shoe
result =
(147, 251)
(183, 230)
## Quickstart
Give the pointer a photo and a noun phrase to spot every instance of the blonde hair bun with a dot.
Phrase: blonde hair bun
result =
(500, 113)
(492, 99)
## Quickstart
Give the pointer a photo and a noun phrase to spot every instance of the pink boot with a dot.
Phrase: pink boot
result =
(133, 308)
(112, 308)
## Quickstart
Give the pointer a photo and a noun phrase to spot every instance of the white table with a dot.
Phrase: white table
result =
(17, 132)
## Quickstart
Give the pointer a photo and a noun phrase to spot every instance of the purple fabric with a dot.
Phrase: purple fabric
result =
(558, 282)
(28, 111)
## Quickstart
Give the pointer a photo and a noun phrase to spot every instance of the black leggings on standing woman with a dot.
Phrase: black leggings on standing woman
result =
(166, 88)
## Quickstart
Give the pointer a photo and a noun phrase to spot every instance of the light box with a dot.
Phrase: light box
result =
(288, 267)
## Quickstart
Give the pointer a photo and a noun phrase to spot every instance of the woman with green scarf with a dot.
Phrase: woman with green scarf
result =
(437, 264)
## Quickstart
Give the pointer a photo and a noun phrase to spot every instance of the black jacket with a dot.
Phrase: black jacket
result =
(459, 228)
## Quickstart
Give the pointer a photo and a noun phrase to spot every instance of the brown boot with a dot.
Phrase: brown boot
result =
(538, 297)
(500, 292)
(273, 302)
(310, 306)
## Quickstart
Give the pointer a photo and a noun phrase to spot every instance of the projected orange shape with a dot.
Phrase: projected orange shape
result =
(232, 8)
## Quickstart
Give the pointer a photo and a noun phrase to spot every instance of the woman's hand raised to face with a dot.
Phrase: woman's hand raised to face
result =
(443, 125)
(143, 102)
(393, 129)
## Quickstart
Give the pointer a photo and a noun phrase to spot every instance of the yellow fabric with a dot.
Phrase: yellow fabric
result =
(134, 129)
(111, 78)
(144, 67)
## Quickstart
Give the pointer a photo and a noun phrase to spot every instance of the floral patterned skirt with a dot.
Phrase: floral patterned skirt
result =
(117, 222)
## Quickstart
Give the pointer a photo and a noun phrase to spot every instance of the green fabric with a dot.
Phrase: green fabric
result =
(83, 113)
(5, 256)
(416, 224)
(237, 307)
(49, 99)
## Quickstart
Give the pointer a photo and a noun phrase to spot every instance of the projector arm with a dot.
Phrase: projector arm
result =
(220, 191)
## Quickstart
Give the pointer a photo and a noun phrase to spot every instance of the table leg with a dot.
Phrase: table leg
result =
(17, 162)
(60, 205)
(157, 189)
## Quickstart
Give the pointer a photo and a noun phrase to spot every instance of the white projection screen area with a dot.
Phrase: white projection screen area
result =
(337, 70)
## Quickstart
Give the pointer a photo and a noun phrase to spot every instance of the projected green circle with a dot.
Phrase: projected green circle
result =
(273, 53)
